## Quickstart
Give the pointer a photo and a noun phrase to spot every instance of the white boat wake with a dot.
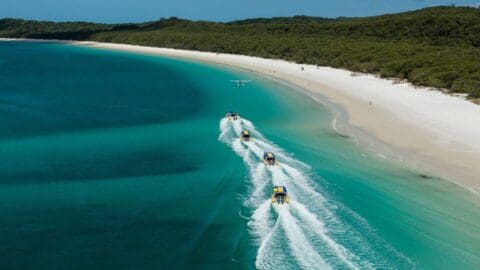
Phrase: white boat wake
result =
(306, 233)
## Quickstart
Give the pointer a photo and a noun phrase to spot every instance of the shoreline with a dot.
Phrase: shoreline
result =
(427, 131)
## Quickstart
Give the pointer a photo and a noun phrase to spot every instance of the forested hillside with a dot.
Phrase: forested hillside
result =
(437, 47)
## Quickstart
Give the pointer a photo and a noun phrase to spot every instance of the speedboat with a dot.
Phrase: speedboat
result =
(245, 136)
(269, 159)
(232, 116)
(279, 195)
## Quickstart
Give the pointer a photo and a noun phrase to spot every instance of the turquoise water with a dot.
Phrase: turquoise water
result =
(112, 160)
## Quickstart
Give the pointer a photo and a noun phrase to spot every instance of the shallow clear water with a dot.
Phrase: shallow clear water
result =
(112, 160)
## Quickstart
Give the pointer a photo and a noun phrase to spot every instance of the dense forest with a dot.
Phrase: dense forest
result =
(438, 47)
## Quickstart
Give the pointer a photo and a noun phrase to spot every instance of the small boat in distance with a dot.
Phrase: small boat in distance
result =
(231, 116)
(245, 136)
(240, 82)
(269, 159)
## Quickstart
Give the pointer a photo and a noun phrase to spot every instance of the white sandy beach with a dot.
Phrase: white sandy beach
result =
(431, 132)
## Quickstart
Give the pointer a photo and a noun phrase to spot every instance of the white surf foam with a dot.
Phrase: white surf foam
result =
(308, 225)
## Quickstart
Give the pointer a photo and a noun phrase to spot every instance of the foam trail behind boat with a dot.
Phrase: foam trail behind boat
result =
(305, 254)
(308, 226)
(318, 228)
(263, 227)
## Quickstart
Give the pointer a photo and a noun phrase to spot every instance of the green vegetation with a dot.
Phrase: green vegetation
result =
(37, 29)
(438, 47)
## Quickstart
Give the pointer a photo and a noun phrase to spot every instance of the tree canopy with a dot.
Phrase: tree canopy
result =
(437, 47)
